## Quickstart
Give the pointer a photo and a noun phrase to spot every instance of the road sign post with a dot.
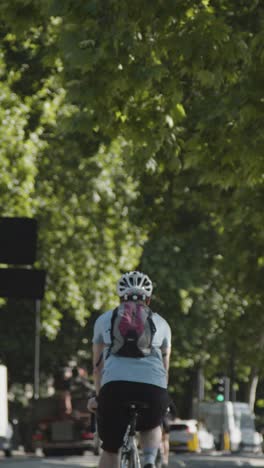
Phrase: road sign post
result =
(18, 240)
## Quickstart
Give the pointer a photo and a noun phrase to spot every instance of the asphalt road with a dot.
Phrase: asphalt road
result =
(176, 461)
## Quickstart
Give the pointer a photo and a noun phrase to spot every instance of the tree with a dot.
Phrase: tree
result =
(75, 187)
(143, 123)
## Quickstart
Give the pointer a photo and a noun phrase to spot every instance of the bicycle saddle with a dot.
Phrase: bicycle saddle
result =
(134, 404)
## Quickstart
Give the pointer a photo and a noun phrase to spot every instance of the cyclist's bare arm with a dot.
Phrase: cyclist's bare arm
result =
(98, 363)
(166, 352)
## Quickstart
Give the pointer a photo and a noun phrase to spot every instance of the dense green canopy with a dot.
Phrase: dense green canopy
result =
(132, 131)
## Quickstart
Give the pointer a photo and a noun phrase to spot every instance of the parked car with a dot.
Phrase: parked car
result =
(190, 436)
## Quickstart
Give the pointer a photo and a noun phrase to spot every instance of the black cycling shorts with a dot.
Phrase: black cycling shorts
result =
(113, 413)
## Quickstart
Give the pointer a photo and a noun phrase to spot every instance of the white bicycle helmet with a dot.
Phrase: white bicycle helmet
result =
(134, 283)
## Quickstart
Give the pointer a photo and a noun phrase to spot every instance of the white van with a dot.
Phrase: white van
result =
(232, 425)
(6, 431)
(220, 421)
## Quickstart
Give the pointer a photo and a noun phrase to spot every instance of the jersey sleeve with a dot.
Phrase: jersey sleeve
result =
(166, 343)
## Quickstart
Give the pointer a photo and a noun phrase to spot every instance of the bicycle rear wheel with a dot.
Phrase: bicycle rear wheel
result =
(130, 459)
(158, 462)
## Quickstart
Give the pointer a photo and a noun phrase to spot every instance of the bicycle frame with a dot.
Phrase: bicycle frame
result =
(129, 451)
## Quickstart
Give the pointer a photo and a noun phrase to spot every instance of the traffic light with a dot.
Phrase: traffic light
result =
(221, 389)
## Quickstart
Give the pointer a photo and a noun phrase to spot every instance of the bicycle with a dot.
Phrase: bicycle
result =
(129, 451)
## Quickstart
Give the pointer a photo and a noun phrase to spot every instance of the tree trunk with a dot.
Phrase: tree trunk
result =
(252, 388)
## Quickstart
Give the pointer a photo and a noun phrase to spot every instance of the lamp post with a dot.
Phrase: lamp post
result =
(37, 350)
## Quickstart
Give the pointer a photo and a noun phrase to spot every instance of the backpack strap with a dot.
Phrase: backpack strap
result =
(152, 326)
(114, 315)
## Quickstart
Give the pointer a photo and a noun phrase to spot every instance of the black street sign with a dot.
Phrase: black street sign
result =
(22, 283)
(18, 241)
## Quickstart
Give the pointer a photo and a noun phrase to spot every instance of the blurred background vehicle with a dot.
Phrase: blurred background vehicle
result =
(58, 433)
(205, 437)
(232, 425)
(6, 430)
(60, 424)
(251, 440)
(6, 444)
(189, 435)
(220, 421)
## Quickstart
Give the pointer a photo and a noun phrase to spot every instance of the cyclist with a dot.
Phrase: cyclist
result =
(119, 379)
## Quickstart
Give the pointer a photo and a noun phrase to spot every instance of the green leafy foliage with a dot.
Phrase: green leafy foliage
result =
(133, 132)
